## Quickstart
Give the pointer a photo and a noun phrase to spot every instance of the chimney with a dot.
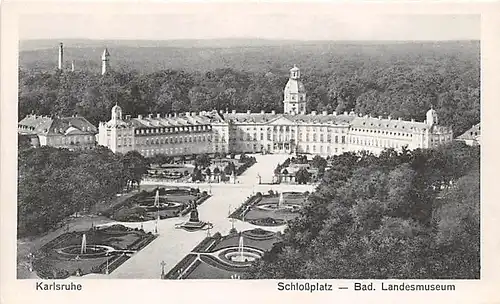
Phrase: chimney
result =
(248, 112)
(325, 113)
(127, 117)
(139, 116)
(273, 112)
(188, 113)
(175, 114)
(158, 115)
(399, 118)
(412, 120)
(334, 113)
(345, 113)
(150, 115)
(200, 113)
(389, 117)
(380, 117)
(262, 112)
(313, 113)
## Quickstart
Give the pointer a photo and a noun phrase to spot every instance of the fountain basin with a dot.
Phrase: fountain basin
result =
(149, 206)
(233, 256)
(92, 251)
(277, 207)
(243, 257)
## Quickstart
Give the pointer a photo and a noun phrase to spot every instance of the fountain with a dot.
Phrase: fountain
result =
(157, 203)
(281, 201)
(240, 248)
(279, 206)
(83, 249)
(240, 255)
(157, 199)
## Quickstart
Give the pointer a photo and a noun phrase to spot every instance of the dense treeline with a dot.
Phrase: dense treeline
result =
(401, 80)
(55, 183)
(399, 215)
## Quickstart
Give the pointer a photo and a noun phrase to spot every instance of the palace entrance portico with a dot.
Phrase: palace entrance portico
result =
(283, 148)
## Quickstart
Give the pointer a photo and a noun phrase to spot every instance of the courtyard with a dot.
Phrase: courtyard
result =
(172, 245)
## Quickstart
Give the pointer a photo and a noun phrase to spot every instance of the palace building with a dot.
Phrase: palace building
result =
(294, 131)
(61, 132)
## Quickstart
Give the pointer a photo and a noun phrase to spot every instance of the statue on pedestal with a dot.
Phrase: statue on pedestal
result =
(194, 217)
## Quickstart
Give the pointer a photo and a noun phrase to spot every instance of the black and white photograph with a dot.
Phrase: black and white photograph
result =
(276, 143)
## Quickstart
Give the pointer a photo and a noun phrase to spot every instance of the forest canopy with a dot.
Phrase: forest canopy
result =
(56, 183)
(401, 215)
(398, 79)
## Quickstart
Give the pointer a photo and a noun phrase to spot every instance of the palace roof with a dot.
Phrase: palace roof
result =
(295, 85)
(472, 134)
(176, 120)
(345, 119)
(380, 123)
(273, 118)
(45, 125)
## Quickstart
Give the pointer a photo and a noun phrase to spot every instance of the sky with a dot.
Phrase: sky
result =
(284, 24)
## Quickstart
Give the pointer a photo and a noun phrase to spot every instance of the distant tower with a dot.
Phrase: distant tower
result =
(432, 118)
(72, 66)
(60, 66)
(105, 61)
(294, 97)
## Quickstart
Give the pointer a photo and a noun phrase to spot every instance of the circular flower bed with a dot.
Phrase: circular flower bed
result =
(258, 234)
(268, 221)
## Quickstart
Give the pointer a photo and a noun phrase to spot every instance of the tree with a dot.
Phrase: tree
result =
(302, 176)
(55, 183)
(203, 160)
(229, 169)
(208, 172)
(196, 175)
(135, 166)
(319, 162)
(243, 157)
(393, 216)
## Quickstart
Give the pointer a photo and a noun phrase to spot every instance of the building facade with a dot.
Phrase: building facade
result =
(171, 134)
(294, 131)
(471, 137)
(72, 133)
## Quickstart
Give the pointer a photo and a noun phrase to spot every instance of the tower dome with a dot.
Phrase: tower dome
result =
(294, 98)
(116, 112)
(295, 72)
(432, 118)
